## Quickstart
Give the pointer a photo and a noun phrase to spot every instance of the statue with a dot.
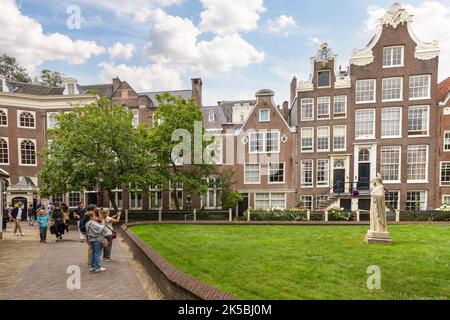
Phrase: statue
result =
(378, 232)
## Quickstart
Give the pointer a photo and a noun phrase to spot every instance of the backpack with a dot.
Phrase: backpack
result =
(83, 226)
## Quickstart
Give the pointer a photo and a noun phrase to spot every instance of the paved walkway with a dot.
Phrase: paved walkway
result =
(33, 271)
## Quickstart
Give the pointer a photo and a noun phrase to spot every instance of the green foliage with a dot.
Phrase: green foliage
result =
(231, 198)
(50, 78)
(12, 70)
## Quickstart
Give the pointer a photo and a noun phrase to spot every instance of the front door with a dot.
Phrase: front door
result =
(339, 181)
(243, 206)
(364, 176)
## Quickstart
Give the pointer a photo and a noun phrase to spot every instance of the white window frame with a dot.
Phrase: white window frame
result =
(427, 124)
(116, 191)
(312, 173)
(445, 148)
(440, 174)
(428, 96)
(398, 199)
(324, 100)
(399, 150)
(310, 129)
(270, 199)
(7, 150)
(52, 122)
(366, 137)
(426, 165)
(345, 137)
(135, 112)
(443, 198)
(329, 79)
(425, 201)
(155, 190)
(318, 137)
(5, 110)
(311, 199)
(80, 198)
(374, 81)
(383, 89)
(268, 115)
(323, 184)
(259, 173)
(302, 104)
(19, 142)
(269, 169)
(264, 142)
(33, 113)
(135, 193)
(402, 64)
(399, 122)
(334, 104)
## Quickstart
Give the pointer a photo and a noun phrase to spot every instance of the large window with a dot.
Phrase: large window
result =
(57, 199)
(276, 173)
(447, 141)
(175, 188)
(212, 199)
(307, 109)
(155, 197)
(26, 120)
(365, 91)
(392, 200)
(251, 174)
(323, 173)
(74, 199)
(445, 173)
(307, 139)
(264, 201)
(135, 113)
(392, 89)
(391, 122)
(323, 139)
(416, 200)
(3, 118)
(27, 152)
(323, 108)
(117, 194)
(265, 142)
(307, 202)
(340, 107)
(418, 118)
(52, 120)
(306, 173)
(365, 124)
(419, 87)
(136, 199)
(324, 79)
(339, 138)
(390, 164)
(4, 153)
(417, 163)
(393, 56)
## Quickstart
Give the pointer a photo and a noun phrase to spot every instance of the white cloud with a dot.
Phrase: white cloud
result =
(282, 25)
(431, 21)
(24, 38)
(315, 41)
(124, 51)
(142, 78)
(225, 16)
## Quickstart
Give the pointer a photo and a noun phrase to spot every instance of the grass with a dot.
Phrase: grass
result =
(308, 262)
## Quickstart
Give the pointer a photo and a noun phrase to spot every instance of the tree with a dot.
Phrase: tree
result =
(12, 70)
(231, 198)
(177, 115)
(95, 145)
(50, 78)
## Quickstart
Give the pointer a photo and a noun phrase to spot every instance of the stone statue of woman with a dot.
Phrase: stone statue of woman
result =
(378, 232)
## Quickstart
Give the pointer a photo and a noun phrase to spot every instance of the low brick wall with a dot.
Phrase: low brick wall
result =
(174, 284)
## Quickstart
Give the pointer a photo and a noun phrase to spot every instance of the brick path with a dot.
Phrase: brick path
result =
(31, 271)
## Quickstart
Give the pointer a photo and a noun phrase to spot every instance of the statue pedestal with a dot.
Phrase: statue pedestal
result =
(378, 237)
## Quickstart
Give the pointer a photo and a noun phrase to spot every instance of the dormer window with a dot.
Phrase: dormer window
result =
(242, 117)
(323, 79)
(212, 117)
(70, 87)
(264, 115)
(1, 85)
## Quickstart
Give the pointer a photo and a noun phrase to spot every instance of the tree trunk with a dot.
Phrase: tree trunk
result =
(113, 200)
(175, 198)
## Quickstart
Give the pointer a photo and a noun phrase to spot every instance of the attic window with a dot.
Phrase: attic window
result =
(71, 89)
(212, 117)
(264, 115)
(323, 79)
(1, 85)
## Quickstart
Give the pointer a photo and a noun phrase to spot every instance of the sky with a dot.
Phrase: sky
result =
(237, 47)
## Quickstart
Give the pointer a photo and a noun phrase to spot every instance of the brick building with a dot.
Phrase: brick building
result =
(443, 142)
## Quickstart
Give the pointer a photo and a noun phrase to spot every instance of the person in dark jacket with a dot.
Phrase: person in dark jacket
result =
(6, 214)
(58, 222)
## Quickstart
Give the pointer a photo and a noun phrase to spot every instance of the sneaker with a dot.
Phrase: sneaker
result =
(22, 234)
(100, 270)
(91, 269)
(16, 234)
(106, 259)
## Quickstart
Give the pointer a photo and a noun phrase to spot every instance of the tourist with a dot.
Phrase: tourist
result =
(31, 215)
(16, 216)
(79, 215)
(110, 234)
(42, 220)
(95, 232)
(65, 210)
(58, 222)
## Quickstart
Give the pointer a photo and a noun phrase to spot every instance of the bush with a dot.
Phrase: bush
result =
(277, 216)
(231, 198)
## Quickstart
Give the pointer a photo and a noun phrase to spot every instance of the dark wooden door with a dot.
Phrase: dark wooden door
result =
(243, 206)
(339, 180)
(364, 176)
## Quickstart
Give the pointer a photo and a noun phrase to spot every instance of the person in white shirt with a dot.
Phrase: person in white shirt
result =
(108, 222)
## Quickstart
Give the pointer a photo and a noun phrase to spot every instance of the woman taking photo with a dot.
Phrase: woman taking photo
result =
(110, 234)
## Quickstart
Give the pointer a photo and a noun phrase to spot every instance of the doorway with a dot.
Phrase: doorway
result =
(339, 180)
(364, 170)
(243, 206)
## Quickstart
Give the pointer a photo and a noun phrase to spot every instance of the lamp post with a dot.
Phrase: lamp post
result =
(100, 179)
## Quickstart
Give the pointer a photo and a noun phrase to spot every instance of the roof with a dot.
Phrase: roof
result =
(219, 117)
(186, 94)
(33, 89)
(443, 90)
(104, 90)
(4, 174)
(227, 107)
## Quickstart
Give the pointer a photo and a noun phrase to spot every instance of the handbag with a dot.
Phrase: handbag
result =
(114, 235)
(104, 243)
(52, 230)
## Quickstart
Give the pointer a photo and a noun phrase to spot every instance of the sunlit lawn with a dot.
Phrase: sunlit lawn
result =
(308, 262)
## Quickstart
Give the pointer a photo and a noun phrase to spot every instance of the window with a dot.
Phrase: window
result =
(392, 200)
(339, 138)
(390, 164)
(1, 85)
(323, 173)
(391, 122)
(307, 202)
(74, 199)
(323, 108)
(365, 124)
(26, 120)
(52, 121)
(251, 174)
(212, 199)
(3, 118)
(241, 118)
(417, 163)
(393, 57)
(264, 115)
(418, 120)
(392, 89)
(136, 201)
(265, 142)
(178, 192)
(323, 79)
(323, 139)
(365, 91)
(307, 139)
(57, 199)
(364, 155)
(446, 199)
(307, 109)
(419, 87)
(306, 173)
(118, 197)
(27, 152)
(70, 89)
(264, 201)
(4, 153)
(416, 200)
(340, 107)
(445, 173)
(446, 140)
(155, 197)
(135, 112)
(276, 173)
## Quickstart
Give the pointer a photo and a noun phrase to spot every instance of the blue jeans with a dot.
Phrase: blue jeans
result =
(96, 254)
(43, 233)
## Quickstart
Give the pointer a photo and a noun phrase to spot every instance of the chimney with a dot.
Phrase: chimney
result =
(265, 95)
(116, 83)
(293, 89)
(197, 88)
(285, 110)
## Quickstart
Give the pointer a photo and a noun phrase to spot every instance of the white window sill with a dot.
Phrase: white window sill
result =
(28, 165)
(417, 181)
(391, 137)
(419, 136)
(396, 66)
(33, 128)
(393, 100)
(365, 102)
(421, 98)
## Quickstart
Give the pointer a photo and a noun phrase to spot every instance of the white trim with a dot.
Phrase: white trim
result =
(400, 123)
(19, 142)
(33, 113)
(442, 199)
(317, 174)
(265, 132)
(301, 139)
(428, 123)
(429, 87)
(312, 174)
(440, 174)
(44, 102)
(329, 108)
(129, 199)
(301, 113)
(5, 110)
(8, 150)
(317, 137)
(401, 89)
(346, 106)
(403, 57)
(345, 137)
(374, 91)
(443, 147)
(426, 197)
(374, 125)
(268, 113)
(245, 173)
(426, 164)
(329, 79)
(270, 199)
(284, 173)
(399, 180)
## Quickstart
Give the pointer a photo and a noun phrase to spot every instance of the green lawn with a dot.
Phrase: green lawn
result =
(308, 262)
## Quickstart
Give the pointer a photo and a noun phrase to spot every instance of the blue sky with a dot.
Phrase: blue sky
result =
(262, 44)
